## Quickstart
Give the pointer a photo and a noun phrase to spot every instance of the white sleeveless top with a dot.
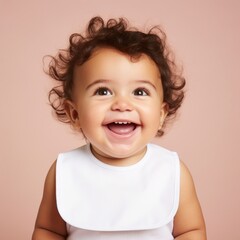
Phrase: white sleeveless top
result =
(100, 201)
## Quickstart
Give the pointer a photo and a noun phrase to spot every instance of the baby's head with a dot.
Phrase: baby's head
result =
(115, 34)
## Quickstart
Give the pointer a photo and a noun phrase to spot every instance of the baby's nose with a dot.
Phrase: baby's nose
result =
(122, 104)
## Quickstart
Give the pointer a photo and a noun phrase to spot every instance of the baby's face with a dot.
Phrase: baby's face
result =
(118, 104)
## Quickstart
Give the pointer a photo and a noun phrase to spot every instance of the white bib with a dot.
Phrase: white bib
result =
(95, 196)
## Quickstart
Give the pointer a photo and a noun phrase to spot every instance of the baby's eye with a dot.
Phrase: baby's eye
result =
(141, 92)
(102, 91)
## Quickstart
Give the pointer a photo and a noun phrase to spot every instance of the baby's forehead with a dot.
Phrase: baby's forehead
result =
(110, 61)
(113, 55)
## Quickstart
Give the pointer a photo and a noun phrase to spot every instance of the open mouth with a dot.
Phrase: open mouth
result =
(122, 128)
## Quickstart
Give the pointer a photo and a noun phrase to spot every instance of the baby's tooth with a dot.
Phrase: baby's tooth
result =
(122, 123)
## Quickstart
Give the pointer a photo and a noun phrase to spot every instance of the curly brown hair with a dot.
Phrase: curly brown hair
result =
(117, 34)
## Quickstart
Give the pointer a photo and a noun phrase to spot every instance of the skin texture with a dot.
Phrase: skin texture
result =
(112, 87)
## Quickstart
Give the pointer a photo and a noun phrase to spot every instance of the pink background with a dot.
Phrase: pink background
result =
(206, 39)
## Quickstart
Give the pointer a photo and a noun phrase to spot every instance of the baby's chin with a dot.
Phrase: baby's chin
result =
(121, 156)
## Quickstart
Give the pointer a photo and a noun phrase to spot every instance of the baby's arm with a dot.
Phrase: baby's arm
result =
(188, 223)
(49, 224)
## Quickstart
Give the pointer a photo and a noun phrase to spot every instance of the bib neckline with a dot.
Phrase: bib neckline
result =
(101, 164)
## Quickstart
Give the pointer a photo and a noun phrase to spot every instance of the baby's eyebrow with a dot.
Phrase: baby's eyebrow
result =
(146, 82)
(97, 82)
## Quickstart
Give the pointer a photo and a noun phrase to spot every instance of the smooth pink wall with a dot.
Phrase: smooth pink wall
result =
(205, 36)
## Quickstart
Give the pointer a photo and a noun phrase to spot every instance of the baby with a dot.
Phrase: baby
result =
(118, 88)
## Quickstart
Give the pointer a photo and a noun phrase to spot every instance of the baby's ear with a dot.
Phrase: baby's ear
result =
(72, 113)
(163, 114)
